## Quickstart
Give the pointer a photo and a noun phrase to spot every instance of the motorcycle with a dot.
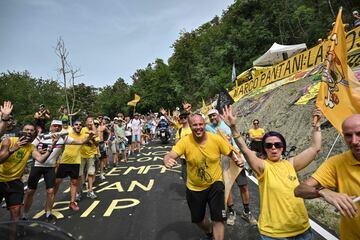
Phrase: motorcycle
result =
(163, 134)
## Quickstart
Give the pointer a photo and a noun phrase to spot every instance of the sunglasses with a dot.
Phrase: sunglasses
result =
(183, 117)
(77, 124)
(256, 123)
(275, 144)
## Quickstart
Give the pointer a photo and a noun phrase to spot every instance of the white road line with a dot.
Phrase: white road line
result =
(320, 230)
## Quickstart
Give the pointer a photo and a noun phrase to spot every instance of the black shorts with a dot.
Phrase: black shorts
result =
(102, 149)
(13, 192)
(129, 138)
(214, 196)
(256, 146)
(68, 170)
(37, 172)
(241, 180)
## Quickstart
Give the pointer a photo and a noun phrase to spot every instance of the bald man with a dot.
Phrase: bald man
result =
(341, 172)
(202, 151)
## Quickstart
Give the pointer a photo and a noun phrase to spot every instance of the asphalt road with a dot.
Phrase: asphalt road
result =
(140, 200)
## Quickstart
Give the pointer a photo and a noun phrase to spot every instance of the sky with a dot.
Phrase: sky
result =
(105, 39)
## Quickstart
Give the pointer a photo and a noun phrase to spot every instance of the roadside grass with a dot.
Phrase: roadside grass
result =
(324, 213)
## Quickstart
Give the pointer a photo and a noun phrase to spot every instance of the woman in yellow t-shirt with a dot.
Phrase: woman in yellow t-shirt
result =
(282, 215)
(256, 134)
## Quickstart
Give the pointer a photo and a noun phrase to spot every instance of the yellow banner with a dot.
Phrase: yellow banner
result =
(258, 77)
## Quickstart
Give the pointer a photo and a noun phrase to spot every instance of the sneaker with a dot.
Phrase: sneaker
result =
(73, 206)
(249, 218)
(91, 195)
(102, 177)
(231, 218)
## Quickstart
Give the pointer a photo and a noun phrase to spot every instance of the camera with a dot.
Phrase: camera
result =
(48, 135)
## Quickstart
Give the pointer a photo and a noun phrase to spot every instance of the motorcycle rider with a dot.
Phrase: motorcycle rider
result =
(164, 124)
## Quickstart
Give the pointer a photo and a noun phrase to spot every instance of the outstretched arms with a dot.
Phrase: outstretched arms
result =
(303, 159)
(255, 163)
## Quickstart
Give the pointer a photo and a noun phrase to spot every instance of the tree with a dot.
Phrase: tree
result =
(64, 70)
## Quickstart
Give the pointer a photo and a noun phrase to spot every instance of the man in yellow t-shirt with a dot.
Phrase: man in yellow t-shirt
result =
(14, 153)
(202, 151)
(88, 155)
(341, 172)
(70, 163)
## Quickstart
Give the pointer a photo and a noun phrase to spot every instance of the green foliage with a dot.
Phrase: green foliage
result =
(27, 93)
(201, 62)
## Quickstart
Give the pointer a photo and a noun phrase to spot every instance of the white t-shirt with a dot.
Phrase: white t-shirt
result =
(55, 154)
(128, 129)
(136, 125)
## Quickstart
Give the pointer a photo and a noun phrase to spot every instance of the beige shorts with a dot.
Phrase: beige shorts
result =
(113, 147)
(89, 163)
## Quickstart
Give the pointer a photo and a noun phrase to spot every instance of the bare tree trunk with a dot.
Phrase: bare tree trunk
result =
(62, 53)
(66, 68)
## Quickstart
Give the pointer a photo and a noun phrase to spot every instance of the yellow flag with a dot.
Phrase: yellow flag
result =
(137, 98)
(133, 102)
(334, 98)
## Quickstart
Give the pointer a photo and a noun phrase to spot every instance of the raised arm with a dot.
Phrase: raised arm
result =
(5, 115)
(164, 113)
(75, 113)
(312, 189)
(255, 163)
(170, 159)
(304, 158)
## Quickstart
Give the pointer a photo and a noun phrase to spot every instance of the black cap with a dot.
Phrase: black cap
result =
(183, 113)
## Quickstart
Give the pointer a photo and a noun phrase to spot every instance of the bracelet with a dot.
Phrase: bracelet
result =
(236, 136)
(5, 120)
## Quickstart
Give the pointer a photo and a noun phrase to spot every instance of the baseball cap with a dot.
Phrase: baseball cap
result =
(212, 111)
(183, 113)
(56, 122)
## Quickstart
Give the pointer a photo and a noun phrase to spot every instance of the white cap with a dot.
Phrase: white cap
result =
(56, 122)
(212, 111)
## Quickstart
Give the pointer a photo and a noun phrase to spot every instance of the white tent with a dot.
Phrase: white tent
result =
(278, 53)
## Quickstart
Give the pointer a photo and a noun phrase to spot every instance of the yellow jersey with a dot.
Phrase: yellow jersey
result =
(202, 161)
(13, 167)
(342, 172)
(281, 213)
(71, 154)
(259, 132)
(89, 150)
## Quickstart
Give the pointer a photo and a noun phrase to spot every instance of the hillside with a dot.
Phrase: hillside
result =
(276, 112)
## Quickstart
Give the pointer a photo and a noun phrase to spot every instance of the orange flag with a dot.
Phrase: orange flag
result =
(335, 98)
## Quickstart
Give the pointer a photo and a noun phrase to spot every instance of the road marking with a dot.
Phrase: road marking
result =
(320, 230)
